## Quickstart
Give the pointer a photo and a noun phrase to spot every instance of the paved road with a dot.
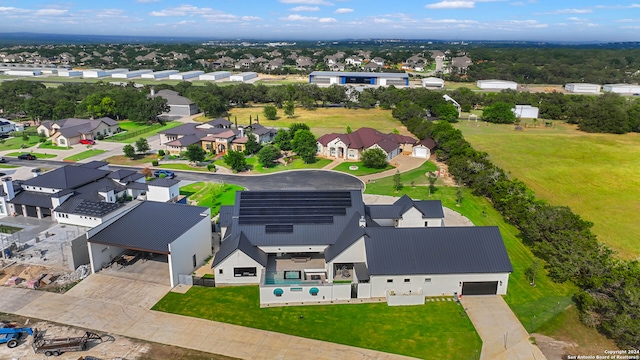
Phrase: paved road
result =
(285, 180)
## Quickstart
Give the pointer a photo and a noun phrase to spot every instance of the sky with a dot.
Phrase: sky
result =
(457, 20)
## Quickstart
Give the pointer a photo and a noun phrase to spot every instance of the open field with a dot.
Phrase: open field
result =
(325, 120)
(16, 142)
(138, 160)
(179, 166)
(136, 131)
(436, 330)
(596, 175)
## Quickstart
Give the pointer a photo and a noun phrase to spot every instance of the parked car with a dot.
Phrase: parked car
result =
(167, 173)
(87, 142)
(2, 160)
(26, 156)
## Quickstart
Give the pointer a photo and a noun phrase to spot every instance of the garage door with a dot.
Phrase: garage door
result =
(31, 211)
(480, 288)
(45, 212)
(420, 152)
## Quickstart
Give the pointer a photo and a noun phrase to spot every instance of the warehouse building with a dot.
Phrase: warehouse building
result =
(433, 83)
(69, 73)
(98, 73)
(130, 74)
(497, 85)
(186, 75)
(327, 78)
(217, 75)
(525, 112)
(625, 89)
(242, 77)
(159, 74)
(582, 88)
(23, 72)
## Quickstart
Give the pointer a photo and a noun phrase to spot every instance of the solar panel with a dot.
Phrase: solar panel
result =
(283, 228)
(303, 219)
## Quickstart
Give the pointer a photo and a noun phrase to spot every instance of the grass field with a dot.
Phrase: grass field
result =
(84, 155)
(38, 155)
(4, 166)
(183, 167)
(532, 305)
(211, 195)
(436, 330)
(296, 164)
(140, 130)
(325, 120)
(597, 175)
(16, 142)
(138, 160)
(362, 170)
(49, 145)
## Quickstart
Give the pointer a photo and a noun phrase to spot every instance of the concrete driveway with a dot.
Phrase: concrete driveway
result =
(503, 336)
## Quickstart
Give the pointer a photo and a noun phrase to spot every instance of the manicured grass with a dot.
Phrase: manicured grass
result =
(436, 330)
(38, 155)
(84, 155)
(138, 160)
(16, 142)
(140, 130)
(183, 167)
(296, 164)
(596, 175)
(212, 195)
(532, 305)
(49, 145)
(325, 120)
(362, 170)
(3, 166)
(6, 229)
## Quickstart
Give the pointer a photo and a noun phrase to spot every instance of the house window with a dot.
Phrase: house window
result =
(407, 280)
(244, 271)
(427, 280)
(194, 261)
(352, 154)
(389, 280)
(426, 223)
(220, 271)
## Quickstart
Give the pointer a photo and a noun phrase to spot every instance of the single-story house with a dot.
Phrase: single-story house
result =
(351, 146)
(70, 131)
(323, 246)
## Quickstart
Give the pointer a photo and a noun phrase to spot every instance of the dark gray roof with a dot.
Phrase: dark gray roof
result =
(383, 211)
(185, 129)
(163, 182)
(94, 164)
(219, 122)
(151, 226)
(430, 209)
(87, 207)
(367, 74)
(66, 177)
(351, 234)
(32, 198)
(121, 174)
(436, 250)
(137, 186)
(226, 214)
(239, 242)
(90, 191)
(185, 140)
(173, 98)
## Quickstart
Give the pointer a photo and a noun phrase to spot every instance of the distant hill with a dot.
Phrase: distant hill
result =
(9, 39)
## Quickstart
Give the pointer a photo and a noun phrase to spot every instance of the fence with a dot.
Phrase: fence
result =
(206, 282)
(132, 134)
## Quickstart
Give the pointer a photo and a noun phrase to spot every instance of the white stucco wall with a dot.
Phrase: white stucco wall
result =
(196, 241)
(411, 218)
(442, 284)
(237, 259)
(162, 194)
(101, 255)
(300, 293)
(79, 220)
(293, 249)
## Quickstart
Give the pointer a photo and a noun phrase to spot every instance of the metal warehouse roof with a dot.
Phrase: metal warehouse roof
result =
(436, 250)
(365, 74)
(151, 226)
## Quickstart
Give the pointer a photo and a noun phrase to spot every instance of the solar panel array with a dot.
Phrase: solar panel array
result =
(295, 207)
(272, 229)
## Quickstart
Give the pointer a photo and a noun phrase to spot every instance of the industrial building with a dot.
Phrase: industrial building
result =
(525, 112)
(358, 78)
(23, 72)
(242, 77)
(159, 74)
(217, 75)
(625, 89)
(186, 75)
(497, 84)
(98, 73)
(582, 88)
(130, 74)
(433, 82)
(69, 73)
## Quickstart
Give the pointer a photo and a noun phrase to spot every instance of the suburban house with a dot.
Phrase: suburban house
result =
(70, 131)
(323, 246)
(178, 105)
(177, 235)
(83, 195)
(8, 126)
(351, 146)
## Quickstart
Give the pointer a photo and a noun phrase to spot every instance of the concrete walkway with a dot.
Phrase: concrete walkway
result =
(503, 336)
(135, 320)
(402, 163)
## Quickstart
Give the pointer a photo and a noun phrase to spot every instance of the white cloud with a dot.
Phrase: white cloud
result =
(251, 18)
(184, 10)
(343, 11)
(305, 8)
(574, 18)
(625, 20)
(451, 5)
(631, 6)
(382, 21)
(51, 12)
(327, 20)
(296, 17)
(630, 27)
(308, 2)
(569, 11)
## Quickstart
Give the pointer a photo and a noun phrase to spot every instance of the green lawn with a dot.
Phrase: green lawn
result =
(597, 175)
(136, 131)
(532, 305)
(436, 330)
(84, 155)
(138, 160)
(38, 155)
(362, 170)
(16, 142)
(4, 166)
(296, 164)
(6, 229)
(183, 167)
(325, 120)
(49, 145)
(212, 195)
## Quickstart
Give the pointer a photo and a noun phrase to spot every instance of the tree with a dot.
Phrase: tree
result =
(105, 107)
(532, 271)
(349, 131)
(446, 111)
(432, 182)
(252, 146)
(195, 153)
(397, 181)
(270, 112)
(283, 140)
(235, 160)
(305, 145)
(294, 127)
(149, 109)
(129, 151)
(374, 158)
(142, 145)
(406, 110)
(267, 155)
(289, 108)
(499, 113)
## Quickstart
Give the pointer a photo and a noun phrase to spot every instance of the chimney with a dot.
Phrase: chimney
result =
(153, 91)
(7, 185)
(236, 119)
(362, 222)
(241, 131)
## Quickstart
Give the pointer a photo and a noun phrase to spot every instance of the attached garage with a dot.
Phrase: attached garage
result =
(480, 288)
(31, 211)
(420, 152)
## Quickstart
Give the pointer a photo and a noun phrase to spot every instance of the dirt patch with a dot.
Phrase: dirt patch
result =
(445, 177)
(554, 349)
(58, 279)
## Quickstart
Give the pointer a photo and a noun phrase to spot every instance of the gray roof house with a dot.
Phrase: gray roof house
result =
(179, 106)
(323, 246)
(70, 131)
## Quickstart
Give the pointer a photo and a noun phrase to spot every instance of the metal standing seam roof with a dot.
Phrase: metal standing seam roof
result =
(95, 164)
(32, 198)
(239, 242)
(91, 190)
(163, 182)
(430, 209)
(365, 74)
(85, 207)
(436, 250)
(173, 98)
(226, 213)
(151, 226)
(66, 177)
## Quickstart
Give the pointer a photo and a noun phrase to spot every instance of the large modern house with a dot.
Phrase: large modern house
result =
(70, 131)
(351, 146)
(323, 246)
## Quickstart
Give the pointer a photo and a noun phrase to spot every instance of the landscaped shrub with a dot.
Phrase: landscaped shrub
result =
(154, 163)
(211, 167)
(160, 152)
(100, 137)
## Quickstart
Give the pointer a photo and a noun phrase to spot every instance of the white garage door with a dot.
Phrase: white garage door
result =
(420, 152)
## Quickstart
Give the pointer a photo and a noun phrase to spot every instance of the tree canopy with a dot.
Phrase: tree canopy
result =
(304, 144)
(374, 158)
(235, 160)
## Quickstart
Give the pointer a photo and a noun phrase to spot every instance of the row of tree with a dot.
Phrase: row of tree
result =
(609, 295)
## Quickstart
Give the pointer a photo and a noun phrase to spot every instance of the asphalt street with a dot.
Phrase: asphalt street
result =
(286, 180)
